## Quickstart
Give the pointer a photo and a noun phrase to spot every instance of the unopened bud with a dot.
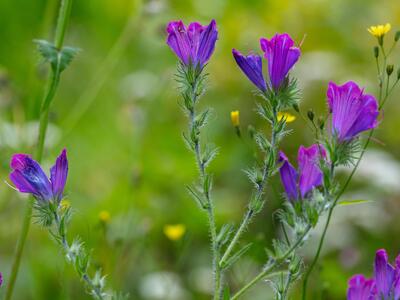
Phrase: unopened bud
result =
(311, 115)
(376, 51)
(398, 73)
(397, 36)
(296, 107)
(389, 69)
(251, 130)
(321, 123)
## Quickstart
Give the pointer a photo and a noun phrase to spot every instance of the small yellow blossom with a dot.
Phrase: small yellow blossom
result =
(65, 204)
(379, 30)
(288, 117)
(235, 118)
(104, 216)
(174, 232)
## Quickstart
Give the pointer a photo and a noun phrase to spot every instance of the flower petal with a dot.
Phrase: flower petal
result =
(352, 112)
(288, 177)
(384, 274)
(28, 177)
(208, 39)
(251, 65)
(310, 173)
(58, 175)
(281, 55)
(360, 288)
(178, 40)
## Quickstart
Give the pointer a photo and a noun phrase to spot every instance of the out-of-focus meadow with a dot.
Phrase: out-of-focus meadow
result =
(117, 113)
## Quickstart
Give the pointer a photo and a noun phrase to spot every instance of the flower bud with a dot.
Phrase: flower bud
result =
(397, 36)
(235, 118)
(389, 69)
(251, 130)
(311, 115)
(296, 107)
(398, 73)
(376, 51)
(321, 123)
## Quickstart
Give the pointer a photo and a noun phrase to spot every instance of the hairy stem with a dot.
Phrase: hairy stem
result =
(259, 192)
(52, 84)
(267, 270)
(210, 208)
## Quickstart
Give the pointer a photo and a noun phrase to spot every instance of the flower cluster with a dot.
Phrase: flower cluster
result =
(194, 44)
(281, 55)
(385, 284)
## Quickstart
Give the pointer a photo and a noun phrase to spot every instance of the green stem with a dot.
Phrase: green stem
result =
(210, 209)
(321, 242)
(260, 190)
(52, 84)
(271, 267)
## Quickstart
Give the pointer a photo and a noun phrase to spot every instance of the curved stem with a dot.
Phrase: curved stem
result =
(53, 80)
(321, 242)
(272, 266)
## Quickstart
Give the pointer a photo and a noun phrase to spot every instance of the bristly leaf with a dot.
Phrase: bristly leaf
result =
(208, 155)
(262, 142)
(224, 234)
(59, 59)
(188, 142)
(254, 176)
(202, 118)
(235, 257)
(198, 198)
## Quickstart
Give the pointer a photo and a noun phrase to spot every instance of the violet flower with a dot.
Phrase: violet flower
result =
(281, 55)
(352, 111)
(361, 288)
(29, 177)
(193, 44)
(1, 279)
(251, 66)
(309, 175)
(385, 285)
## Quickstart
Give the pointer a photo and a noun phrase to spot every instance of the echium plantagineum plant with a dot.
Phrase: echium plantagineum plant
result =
(46, 204)
(312, 189)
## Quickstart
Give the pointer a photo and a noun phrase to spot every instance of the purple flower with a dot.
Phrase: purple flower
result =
(309, 175)
(352, 111)
(194, 44)
(385, 285)
(29, 177)
(251, 66)
(1, 278)
(361, 288)
(281, 55)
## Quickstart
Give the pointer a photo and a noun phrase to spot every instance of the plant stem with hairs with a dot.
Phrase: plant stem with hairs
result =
(52, 84)
(193, 79)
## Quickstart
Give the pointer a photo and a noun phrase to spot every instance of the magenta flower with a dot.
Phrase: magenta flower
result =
(194, 44)
(385, 285)
(361, 288)
(352, 111)
(309, 175)
(1, 279)
(281, 55)
(251, 66)
(29, 177)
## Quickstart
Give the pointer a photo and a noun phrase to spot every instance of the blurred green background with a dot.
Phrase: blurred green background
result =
(117, 113)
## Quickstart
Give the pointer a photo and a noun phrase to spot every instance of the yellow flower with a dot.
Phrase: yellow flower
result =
(379, 30)
(104, 216)
(235, 118)
(65, 204)
(174, 232)
(288, 117)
